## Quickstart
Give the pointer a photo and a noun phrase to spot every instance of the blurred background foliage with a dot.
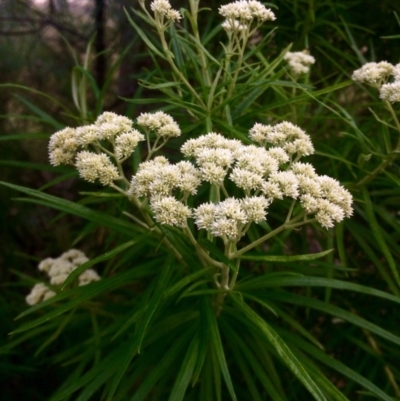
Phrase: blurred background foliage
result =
(39, 43)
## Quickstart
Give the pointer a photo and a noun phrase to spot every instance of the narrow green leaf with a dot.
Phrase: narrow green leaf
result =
(217, 346)
(294, 258)
(186, 371)
(163, 367)
(105, 256)
(64, 205)
(217, 253)
(336, 365)
(47, 118)
(84, 293)
(135, 346)
(268, 281)
(284, 296)
(376, 230)
(185, 281)
(144, 37)
(19, 137)
(282, 349)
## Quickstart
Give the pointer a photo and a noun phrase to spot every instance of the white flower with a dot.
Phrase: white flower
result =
(92, 166)
(396, 72)
(87, 277)
(40, 292)
(163, 8)
(146, 174)
(259, 132)
(299, 62)
(190, 177)
(204, 216)
(306, 169)
(161, 123)
(220, 157)
(168, 210)
(165, 180)
(169, 130)
(246, 10)
(279, 154)
(256, 160)
(213, 173)
(373, 72)
(328, 213)
(63, 146)
(229, 217)
(309, 203)
(246, 179)
(58, 270)
(111, 124)
(254, 207)
(287, 183)
(126, 143)
(309, 185)
(391, 92)
(87, 134)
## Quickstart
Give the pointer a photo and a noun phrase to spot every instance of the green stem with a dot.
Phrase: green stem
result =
(176, 69)
(194, 7)
(204, 255)
(285, 226)
(390, 158)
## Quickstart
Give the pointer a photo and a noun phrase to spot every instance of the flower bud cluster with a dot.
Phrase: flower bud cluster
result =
(161, 123)
(268, 170)
(378, 74)
(241, 14)
(163, 9)
(373, 73)
(71, 146)
(58, 270)
(299, 62)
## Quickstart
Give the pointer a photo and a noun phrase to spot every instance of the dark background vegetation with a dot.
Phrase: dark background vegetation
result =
(35, 46)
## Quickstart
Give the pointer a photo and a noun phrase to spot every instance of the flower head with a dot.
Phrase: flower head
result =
(373, 73)
(126, 143)
(168, 210)
(63, 146)
(163, 8)
(391, 92)
(299, 62)
(92, 166)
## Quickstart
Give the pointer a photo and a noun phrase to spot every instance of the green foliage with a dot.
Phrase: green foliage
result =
(305, 312)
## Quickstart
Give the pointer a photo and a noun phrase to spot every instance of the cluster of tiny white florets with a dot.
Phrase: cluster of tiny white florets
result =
(161, 123)
(378, 74)
(58, 270)
(163, 9)
(267, 170)
(373, 73)
(93, 166)
(240, 15)
(299, 62)
(230, 216)
(71, 146)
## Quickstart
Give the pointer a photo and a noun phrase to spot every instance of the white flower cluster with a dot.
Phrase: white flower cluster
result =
(70, 146)
(373, 73)
(299, 62)
(58, 270)
(163, 8)
(379, 74)
(161, 123)
(266, 171)
(230, 216)
(240, 15)
(157, 179)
